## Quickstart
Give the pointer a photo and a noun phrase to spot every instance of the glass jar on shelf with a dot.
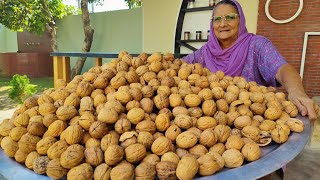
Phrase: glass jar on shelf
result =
(198, 35)
(211, 2)
(186, 35)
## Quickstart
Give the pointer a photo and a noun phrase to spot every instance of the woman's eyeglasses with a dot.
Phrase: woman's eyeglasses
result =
(228, 18)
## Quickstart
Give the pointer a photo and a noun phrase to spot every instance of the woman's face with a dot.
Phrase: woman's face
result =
(227, 22)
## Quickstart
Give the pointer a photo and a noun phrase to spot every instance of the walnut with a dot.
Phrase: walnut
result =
(72, 156)
(135, 115)
(31, 102)
(206, 122)
(172, 132)
(187, 167)
(234, 142)
(267, 125)
(175, 100)
(233, 158)
(145, 171)
(242, 121)
(208, 138)
(66, 112)
(92, 142)
(202, 82)
(135, 152)
(123, 170)
(251, 132)
(30, 158)
(113, 154)
(17, 132)
(161, 101)
(81, 172)
(145, 138)
(40, 164)
(47, 108)
(273, 113)
(186, 140)
(232, 116)
(73, 134)
(86, 119)
(222, 105)
(84, 89)
(166, 170)
(209, 107)
(108, 115)
(218, 148)
(183, 73)
(195, 112)
(93, 156)
(192, 100)
(208, 165)
(110, 139)
(218, 92)
(22, 120)
(146, 125)
(161, 145)
(223, 132)
(98, 129)
(151, 159)
(279, 135)
(251, 152)
(57, 149)
(295, 125)
(6, 127)
(44, 144)
(20, 156)
(55, 170)
(162, 122)
(198, 150)
(290, 108)
(102, 172)
(122, 125)
(36, 128)
(28, 142)
(183, 121)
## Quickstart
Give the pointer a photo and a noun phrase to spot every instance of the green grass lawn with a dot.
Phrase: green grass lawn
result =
(7, 103)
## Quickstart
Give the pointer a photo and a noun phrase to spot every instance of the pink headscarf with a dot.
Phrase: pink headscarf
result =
(231, 60)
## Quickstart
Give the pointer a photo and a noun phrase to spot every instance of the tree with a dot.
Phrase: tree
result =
(88, 31)
(35, 16)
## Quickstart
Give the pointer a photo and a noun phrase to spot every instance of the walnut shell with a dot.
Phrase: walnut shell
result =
(166, 170)
(30, 158)
(171, 157)
(44, 144)
(135, 152)
(108, 115)
(295, 125)
(242, 121)
(172, 132)
(55, 170)
(187, 167)
(93, 156)
(72, 156)
(57, 149)
(162, 122)
(218, 148)
(20, 156)
(109, 139)
(17, 132)
(233, 158)
(40, 164)
(209, 107)
(6, 127)
(123, 170)
(98, 129)
(208, 138)
(273, 113)
(161, 145)
(113, 154)
(251, 152)
(151, 159)
(161, 101)
(183, 121)
(102, 172)
(206, 122)
(279, 135)
(28, 142)
(145, 171)
(135, 115)
(56, 128)
(146, 125)
(81, 172)
(36, 128)
(234, 142)
(192, 100)
(47, 108)
(186, 140)
(198, 150)
(223, 132)
(208, 165)
(251, 132)
(145, 138)
(66, 112)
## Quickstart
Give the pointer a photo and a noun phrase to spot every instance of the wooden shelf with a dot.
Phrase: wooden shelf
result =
(193, 40)
(197, 9)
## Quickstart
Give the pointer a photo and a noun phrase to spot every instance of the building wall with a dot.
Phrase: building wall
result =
(288, 38)
(113, 31)
(8, 40)
(160, 20)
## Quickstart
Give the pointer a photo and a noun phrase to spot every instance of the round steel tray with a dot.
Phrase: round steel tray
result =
(274, 156)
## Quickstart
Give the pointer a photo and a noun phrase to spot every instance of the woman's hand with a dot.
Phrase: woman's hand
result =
(305, 105)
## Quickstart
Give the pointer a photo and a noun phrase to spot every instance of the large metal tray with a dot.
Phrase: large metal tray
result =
(274, 156)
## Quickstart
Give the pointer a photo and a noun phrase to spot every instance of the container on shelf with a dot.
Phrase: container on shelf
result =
(186, 35)
(191, 4)
(208, 33)
(211, 2)
(198, 35)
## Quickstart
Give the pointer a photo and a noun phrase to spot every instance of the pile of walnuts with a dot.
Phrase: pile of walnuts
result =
(144, 117)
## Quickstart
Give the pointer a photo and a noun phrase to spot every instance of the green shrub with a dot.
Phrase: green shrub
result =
(21, 88)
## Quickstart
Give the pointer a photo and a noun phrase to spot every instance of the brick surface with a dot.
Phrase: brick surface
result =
(288, 38)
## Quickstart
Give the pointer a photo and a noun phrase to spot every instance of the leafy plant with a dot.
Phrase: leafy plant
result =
(21, 88)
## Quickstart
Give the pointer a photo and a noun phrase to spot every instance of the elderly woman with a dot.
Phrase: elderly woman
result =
(236, 52)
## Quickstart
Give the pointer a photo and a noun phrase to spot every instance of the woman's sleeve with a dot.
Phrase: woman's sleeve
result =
(270, 60)
(195, 57)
